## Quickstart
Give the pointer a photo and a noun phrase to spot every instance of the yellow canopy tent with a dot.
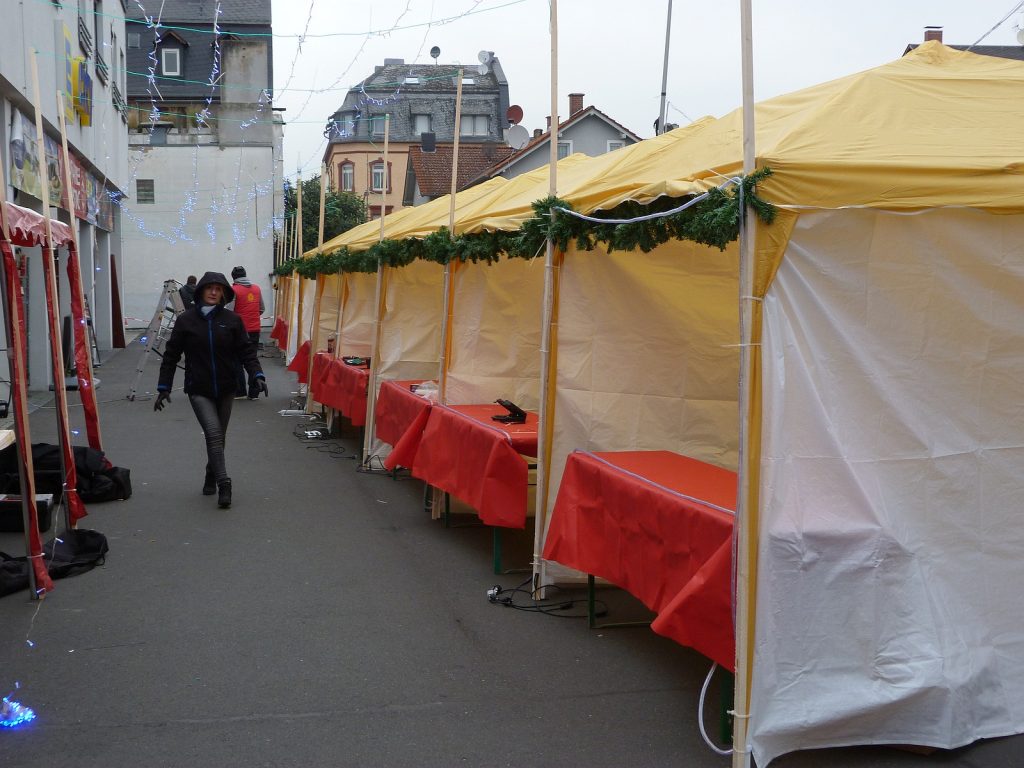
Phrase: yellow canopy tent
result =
(886, 462)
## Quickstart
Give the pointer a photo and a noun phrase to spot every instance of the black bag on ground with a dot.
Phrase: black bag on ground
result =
(76, 551)
(98, 479)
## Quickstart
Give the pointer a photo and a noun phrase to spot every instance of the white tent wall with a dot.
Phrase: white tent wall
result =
(496, 330)
(358, 314)
(410, 332)
(890, 576)
(327, 321)
(647, 357)
(410, 341)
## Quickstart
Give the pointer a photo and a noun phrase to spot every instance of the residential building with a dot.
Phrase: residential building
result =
(999, 51)
(419, 101)
(205, 160)
(78, 51)
(587, 131)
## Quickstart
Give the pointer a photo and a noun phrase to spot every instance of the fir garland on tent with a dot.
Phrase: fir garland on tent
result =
(714, 221)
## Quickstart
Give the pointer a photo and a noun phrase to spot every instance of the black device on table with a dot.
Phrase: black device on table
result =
(515, 415)
(352, 360)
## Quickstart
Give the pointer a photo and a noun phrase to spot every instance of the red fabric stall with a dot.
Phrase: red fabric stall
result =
(659, 525)
(279, 332)
(341, 386)
(400, 416)
(464, 452)
(300, 363)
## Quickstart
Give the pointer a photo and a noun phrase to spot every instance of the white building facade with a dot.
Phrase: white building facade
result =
(79, 54)
(205, 161)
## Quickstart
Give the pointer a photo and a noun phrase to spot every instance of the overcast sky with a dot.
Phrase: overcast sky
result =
(610, 50)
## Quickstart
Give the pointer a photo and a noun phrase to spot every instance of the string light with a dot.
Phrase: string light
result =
(13, 714)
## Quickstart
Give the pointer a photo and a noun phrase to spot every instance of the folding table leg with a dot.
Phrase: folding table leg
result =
(725, 719)
(592, 611)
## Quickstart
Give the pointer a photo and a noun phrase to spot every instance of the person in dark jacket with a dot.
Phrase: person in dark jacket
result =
(214, 341)
(188, 292)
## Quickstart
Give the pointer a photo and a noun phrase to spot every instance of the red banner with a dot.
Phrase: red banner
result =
(83, 358)
(76, 508)
(19, 404)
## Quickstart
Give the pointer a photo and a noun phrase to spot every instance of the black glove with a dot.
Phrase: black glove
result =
(262, 384)
(161, 398)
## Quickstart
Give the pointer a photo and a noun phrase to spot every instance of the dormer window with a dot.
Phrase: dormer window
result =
(170, 62)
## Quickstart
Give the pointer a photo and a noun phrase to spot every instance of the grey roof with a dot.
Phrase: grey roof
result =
(197, 61)
(999, 51)
(201, 11)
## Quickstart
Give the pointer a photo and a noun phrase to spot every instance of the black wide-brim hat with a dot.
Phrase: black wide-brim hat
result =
(211, 278)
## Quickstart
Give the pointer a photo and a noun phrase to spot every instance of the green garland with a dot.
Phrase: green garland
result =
(714, 221)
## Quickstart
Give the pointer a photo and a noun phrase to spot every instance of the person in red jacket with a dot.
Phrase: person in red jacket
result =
(248, 305)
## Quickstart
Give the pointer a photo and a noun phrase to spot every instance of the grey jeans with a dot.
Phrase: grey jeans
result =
(213, 416)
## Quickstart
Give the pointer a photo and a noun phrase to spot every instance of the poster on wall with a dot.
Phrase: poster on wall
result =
(69, 77)
(24, 170)
(105, 220)
(78, 187)
(92, 198)
(54, 170)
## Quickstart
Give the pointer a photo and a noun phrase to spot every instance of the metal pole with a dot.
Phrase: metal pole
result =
(746, 539)
(664, 71)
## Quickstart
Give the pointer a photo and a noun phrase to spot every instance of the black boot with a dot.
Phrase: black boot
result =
(224, 494)
(209, 484)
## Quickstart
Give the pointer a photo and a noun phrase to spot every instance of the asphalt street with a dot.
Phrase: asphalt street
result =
(326, 620)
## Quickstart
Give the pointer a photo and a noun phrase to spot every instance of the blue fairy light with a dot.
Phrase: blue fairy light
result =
(13, 714)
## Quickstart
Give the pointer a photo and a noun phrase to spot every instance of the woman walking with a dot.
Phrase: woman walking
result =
(214, 342)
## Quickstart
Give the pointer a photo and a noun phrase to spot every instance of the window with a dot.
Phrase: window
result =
(347, 176)
(170, 62)
(144, 192)
(377, 125)
(97, 26)
(613, 145)
(412, 81)
(474, 125)
(134, 40)
(564, 149)
(378, 178)
(421, 124)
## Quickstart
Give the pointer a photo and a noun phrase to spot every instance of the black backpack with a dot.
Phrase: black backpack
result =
(76, 551)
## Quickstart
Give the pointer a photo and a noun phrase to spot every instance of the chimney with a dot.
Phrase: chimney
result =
(537, 132)
(576, 101)
(933, 33)
(549, 124)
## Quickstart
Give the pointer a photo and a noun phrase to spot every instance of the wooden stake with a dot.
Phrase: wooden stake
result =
(745, 513)
(447, 301)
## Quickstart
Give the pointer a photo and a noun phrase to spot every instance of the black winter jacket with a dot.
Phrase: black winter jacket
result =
(213, 346)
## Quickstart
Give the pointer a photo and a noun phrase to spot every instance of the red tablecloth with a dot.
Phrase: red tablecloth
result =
(469, 455)
(339, 385)
(300, 363)
(280, 332)
(660, 526)
(399, 417)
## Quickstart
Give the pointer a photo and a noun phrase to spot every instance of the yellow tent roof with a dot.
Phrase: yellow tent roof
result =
(415, 221)
(937, 127)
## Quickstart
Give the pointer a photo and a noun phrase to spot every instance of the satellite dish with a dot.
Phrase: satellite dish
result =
(484, 57)
(483, 69)
(517, 137)
(514, 114)
(434, 53)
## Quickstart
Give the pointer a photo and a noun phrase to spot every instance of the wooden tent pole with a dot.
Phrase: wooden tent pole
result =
(314, 321)
(448, 298)
(746, 517)
(547, 370)
(379, 301)
(38, 578)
